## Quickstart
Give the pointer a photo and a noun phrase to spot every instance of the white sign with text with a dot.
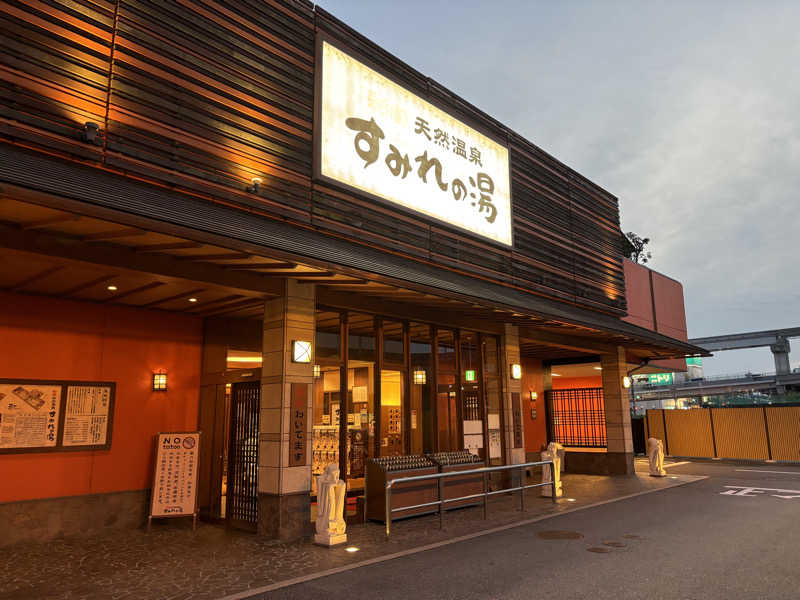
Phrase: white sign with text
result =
(379, 138)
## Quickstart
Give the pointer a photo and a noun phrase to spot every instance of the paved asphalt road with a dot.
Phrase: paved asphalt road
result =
(692, 542)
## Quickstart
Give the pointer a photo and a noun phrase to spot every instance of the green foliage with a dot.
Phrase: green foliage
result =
(638, 248)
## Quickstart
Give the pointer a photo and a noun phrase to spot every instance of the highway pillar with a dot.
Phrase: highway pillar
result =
(780, 353)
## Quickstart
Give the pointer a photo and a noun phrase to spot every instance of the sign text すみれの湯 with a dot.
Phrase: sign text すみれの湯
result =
(379, 138)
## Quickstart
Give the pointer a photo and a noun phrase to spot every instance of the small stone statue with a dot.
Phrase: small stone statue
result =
(330, 508)
(655, 454)
(557, 449)
(554, 453)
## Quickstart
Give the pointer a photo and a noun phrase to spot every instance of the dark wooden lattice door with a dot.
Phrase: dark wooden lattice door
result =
(242, 492)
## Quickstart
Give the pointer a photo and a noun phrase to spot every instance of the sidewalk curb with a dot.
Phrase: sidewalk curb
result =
(254, 592)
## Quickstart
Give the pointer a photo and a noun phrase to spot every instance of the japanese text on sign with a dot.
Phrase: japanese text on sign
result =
(381, 139)
(175, 479)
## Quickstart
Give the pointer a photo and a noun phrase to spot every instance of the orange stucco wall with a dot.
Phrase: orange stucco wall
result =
(533, 381)
(59, 339)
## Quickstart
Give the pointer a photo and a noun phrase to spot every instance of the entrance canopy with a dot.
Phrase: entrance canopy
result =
(158, 245)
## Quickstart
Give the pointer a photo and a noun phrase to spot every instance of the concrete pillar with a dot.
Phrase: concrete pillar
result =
(619, 458)
(780, 352)
(514, 432)
(283, 488)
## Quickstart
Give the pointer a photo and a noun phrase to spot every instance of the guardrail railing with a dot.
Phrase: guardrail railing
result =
(485, 494)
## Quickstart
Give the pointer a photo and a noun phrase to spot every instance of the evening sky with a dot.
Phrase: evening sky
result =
(689, 112)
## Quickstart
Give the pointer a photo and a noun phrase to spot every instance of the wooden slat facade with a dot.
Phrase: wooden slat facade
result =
(204, 95)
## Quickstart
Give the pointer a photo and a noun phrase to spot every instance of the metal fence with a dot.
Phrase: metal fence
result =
(441, 501)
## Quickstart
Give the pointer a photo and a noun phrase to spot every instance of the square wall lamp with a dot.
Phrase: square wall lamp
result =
(469, 375)
(301, 352)
(534, 395)
(160, 381)
(419, 376)
(516, 371)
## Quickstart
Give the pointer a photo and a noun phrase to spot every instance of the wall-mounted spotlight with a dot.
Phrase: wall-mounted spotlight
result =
(255, 185)
(160, 381)
(90, 133)
(516, 371)
(301, 352)
(420, 377)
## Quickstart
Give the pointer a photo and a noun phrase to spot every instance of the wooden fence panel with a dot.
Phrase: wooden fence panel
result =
(655, 425)
(689, 433)
(740, 433)
(783, 423)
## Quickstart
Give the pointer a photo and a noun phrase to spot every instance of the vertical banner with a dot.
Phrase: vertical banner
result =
(516, 411)
(175, 475)
(298, 438)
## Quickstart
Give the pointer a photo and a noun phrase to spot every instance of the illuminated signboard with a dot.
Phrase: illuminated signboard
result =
(379, 138)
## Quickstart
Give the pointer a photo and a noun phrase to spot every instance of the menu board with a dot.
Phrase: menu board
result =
(86, 415)
(29, 415)
(55, 416)
(175, 477)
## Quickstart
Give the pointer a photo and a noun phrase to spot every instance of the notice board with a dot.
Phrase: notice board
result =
(39, 415)
(174, 491)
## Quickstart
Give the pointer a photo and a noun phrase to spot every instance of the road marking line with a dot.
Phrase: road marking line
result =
(751, 492)
(683, 462)
(253, 592)
(765, 471)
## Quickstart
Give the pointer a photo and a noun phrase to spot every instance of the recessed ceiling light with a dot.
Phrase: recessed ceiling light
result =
(351, 549)
(570, 499)
(598, 368)
(112, 288)
(192, 299)
(556, 374)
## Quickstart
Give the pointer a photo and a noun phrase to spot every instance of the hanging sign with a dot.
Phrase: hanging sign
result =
(379, 138)
(175, 475)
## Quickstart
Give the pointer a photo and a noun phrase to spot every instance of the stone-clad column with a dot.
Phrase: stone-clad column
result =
(514, 433)
(283, 490)
(618, 414)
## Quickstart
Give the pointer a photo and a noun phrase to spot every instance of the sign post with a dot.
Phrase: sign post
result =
(175, 475)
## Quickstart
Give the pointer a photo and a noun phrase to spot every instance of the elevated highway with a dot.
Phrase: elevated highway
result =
(776, 339)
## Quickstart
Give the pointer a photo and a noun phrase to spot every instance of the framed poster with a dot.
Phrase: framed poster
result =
(87, 412)
(30, 413)
(174, 492)
(55, 415)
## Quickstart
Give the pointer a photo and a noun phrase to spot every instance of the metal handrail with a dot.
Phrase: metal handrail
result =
(485, 494)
